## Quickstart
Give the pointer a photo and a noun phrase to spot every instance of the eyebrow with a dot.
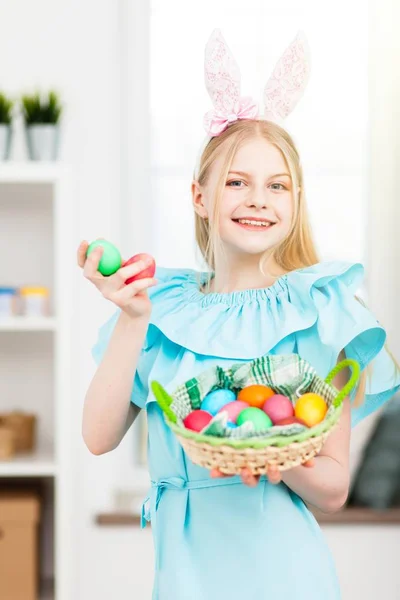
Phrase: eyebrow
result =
(243, 173)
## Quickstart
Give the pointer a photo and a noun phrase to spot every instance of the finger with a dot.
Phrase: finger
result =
(91, 268)
(81, 253)
(129, 291)
(250, 481)
(248, 478)
(216, 473)
(129, 271)
(274, 475)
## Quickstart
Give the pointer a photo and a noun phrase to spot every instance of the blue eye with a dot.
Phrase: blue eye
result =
(282, 187)
(235, 183)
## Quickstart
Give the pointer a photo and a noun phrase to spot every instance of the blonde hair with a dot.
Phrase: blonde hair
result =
(297, 250)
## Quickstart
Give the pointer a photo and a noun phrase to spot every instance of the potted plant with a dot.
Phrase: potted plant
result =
(6, 107)
(41, 115)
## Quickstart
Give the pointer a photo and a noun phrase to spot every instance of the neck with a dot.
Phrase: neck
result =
(242, 273)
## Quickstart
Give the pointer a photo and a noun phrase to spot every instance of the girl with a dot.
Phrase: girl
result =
(265, 292)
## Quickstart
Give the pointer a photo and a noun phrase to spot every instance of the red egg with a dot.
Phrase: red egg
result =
(278, 407)
(147, 272)
(233, 409)
(290, 421)
(197, 420)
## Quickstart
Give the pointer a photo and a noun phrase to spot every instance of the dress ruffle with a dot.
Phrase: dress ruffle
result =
(315, 306)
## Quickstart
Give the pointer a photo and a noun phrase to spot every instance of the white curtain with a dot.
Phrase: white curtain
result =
(384, 166)
(382, 182)
(330, 124)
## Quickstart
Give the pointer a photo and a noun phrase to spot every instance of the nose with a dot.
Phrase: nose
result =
(258, 198)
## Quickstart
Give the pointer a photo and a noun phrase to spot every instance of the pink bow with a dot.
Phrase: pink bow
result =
(215, 122)
(281, 93)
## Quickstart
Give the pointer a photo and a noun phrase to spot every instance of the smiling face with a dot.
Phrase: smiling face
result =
(254, 213)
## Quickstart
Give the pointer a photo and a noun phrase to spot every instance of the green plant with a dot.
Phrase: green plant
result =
(6, 106)
(39, 109)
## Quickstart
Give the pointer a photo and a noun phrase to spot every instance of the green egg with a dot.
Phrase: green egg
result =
(111, 259)
(256, 416)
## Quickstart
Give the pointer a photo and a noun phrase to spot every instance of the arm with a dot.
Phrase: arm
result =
(326, 484)
(108, 412)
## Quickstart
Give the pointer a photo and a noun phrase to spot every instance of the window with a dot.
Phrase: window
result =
(330, 124)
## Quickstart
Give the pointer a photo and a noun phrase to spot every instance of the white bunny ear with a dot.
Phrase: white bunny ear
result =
(288, 81)
(221, 74)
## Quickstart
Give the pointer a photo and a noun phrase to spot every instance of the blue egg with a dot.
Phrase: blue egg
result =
(215, 400)
(231, 425)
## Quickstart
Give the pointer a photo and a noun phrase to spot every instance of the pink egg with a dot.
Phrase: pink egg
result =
(278, 407)
(233, 409)
(197, 420)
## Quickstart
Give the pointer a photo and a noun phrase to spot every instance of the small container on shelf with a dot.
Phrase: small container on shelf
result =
(8, 302)
(7, 443)
(23, 426)
(34, 301)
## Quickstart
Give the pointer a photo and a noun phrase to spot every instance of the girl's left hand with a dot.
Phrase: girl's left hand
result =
(273, 474)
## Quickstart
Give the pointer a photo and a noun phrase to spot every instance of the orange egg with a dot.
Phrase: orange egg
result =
(255, 395)
(311, 408)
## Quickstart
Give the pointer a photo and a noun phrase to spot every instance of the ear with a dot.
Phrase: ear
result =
(198, 200)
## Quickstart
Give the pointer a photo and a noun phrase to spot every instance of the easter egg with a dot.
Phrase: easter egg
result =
(197, 420)
(231, 425)
(233, 409)
(256, 416)
(311, 408)
(110, 260)
(147, 272)
(215, 400)
(278, 407)
(255, 395)
(290, 421)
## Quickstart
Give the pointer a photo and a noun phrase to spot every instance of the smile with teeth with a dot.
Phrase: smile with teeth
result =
(255, 223)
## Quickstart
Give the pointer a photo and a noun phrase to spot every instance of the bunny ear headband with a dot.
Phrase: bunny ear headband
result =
(281, 94)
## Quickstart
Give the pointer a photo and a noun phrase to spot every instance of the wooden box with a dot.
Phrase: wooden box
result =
(19, 569)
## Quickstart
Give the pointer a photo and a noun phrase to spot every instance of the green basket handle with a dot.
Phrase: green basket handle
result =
(164, 400)
(355, 375)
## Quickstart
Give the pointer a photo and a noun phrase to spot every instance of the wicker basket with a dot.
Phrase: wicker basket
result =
(23, 426)
(230, 456)
(7, 443)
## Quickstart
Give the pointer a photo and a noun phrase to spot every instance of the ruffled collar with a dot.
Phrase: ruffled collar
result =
(195, 282)
(247, 324)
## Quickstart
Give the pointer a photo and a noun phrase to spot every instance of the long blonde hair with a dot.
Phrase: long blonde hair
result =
(297, 250)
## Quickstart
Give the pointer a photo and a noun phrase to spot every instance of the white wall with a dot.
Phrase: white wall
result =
(75, 46)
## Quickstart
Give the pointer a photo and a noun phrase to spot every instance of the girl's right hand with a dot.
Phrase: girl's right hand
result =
(131, 298)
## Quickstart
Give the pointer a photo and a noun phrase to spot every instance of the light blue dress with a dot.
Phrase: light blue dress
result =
(218, 539)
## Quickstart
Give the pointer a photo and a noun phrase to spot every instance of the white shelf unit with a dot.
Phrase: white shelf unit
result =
(37, 248)
(21, 323)
(31, 172)
(39, 464)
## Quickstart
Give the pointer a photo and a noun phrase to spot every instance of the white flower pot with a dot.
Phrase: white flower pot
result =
(43, 142)
(5, 141)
